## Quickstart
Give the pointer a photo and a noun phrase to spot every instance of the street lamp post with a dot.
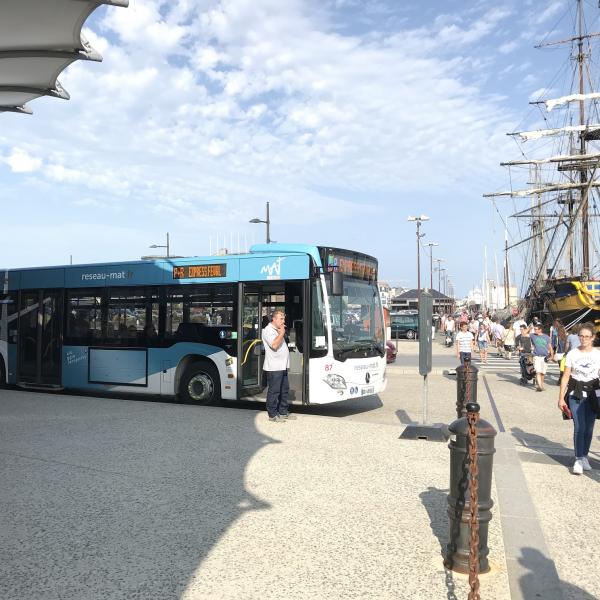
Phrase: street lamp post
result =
(431, 245)
(162, 246)
(439, 262)
(267, 222)
(444, 280)
(418, 221)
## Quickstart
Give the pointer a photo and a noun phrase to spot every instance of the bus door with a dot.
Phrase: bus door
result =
(296, 294)
(40, 338)
(250, 357)
(257, 302)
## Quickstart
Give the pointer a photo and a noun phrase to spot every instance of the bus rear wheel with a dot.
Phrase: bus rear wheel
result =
(2, 374)
(200, 384)
(411, 335)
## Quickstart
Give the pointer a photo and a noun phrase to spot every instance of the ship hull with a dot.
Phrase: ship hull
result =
(574, 301)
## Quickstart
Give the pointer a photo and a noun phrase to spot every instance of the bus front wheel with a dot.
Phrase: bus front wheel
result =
(2, 374)
(200, 384)
(411, 335)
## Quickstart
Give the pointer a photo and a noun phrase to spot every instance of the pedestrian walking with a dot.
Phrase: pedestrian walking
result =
(558, 336)
(578, 396)
(524, 346)
(516, 326)
(572, 341)
(508, 342)
(498, 332)
(474, 327)
(483, 339)
(277, 363)
(449, 329)
(465, 343)
(542, 353)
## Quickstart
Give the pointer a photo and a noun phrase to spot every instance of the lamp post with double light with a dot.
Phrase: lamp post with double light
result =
(439, 262)
(267, 223)
(418, 221)
(431, 245)
(162, 246)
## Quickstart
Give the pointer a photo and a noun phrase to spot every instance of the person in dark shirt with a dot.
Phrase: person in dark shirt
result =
(523, 343)
(542, 353)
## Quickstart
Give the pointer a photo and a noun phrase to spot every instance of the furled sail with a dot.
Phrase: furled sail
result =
(550, 104)
(540, 133)
(553, 159)
(547, 188)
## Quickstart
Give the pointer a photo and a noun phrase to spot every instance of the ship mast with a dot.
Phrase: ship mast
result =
(583, 174)
(506, 272)
(585, 233)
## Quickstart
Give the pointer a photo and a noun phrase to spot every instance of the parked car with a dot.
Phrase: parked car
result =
(405, 326)
(390, 352)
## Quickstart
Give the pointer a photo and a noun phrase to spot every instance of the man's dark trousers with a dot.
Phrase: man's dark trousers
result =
(523, 364)
(278, 393)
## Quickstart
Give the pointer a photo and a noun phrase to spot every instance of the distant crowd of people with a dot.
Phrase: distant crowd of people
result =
(577, 353)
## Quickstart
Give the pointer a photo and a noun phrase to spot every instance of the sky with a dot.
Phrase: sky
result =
(347, 116)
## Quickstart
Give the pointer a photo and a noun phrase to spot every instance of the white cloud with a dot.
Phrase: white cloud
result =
(204, 109)
(508, 47)
(475, 31)
(541, 94)
(20, 161)
(550, 11)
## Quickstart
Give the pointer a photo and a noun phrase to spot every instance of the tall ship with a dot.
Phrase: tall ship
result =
(555, 227)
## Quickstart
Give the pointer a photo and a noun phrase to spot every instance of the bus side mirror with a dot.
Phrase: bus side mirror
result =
(337, 283)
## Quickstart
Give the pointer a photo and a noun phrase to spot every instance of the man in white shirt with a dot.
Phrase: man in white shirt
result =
(517, 326)
(449, 327)
(498, 332)
(465, 343)
(277, 362)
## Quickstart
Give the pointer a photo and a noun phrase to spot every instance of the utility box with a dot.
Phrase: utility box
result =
(425, 332)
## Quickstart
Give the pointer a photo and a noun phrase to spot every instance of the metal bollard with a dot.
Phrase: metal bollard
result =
(459, 505)
(466, 381)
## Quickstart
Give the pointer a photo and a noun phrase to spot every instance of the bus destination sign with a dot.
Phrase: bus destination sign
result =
(200, 271)
(352, 264)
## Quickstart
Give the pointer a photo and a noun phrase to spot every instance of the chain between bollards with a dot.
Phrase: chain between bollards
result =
(472, 418)
(469, 498)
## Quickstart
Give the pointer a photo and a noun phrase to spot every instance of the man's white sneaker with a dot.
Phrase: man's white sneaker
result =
(585, 463)
(578, 467)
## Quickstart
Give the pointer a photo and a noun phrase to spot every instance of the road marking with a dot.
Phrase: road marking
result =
(502, 364)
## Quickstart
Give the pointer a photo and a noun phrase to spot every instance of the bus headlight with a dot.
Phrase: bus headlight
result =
(337, 382)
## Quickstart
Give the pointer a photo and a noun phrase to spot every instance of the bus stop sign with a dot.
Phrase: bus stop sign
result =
(425, 332)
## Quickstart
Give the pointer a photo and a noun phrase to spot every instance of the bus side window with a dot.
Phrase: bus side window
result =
(84, 322)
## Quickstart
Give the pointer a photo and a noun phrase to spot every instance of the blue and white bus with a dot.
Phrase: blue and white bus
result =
(191, 327)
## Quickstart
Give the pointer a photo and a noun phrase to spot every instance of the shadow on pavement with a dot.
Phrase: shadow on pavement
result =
(436, 504)
(532, 583)
(404, 417)
(113, 499)
(549, 451)
(344, 408)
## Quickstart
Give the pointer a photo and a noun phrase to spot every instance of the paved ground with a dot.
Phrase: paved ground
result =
(116, 498)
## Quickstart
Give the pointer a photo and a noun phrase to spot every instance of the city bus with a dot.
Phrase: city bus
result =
(190, 328)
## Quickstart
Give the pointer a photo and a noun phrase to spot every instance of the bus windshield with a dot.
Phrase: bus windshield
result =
(356, 320)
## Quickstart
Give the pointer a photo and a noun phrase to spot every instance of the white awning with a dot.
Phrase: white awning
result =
(38, 40)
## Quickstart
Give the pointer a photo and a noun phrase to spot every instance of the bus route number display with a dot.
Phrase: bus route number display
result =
(200, 271)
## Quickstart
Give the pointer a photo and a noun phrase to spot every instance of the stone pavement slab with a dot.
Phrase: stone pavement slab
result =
(107, 498)
(565, 504)
(111, 498)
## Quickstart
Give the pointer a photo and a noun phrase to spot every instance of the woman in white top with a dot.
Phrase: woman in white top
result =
(483, 339)
(578, 398)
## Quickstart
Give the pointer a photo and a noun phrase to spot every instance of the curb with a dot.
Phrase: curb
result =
(415, 371)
